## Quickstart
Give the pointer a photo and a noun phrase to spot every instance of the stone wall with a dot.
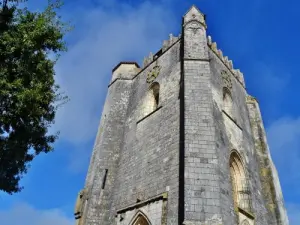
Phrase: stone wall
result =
(271, 189)
(202, 192)
(106, 152)
(148, 163)
(153, 210)
(233, 132)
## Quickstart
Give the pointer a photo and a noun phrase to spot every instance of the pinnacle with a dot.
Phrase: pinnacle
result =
(194, 14)
(193, 10)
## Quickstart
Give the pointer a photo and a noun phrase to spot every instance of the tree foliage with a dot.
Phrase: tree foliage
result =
(29, 96)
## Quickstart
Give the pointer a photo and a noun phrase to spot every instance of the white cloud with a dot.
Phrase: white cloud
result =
(24, 214)
(284, 139)
(101, 39)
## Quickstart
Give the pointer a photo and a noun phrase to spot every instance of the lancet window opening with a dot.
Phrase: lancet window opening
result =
(240, 184)
(152, 99)
(227, 101)
(154, 89)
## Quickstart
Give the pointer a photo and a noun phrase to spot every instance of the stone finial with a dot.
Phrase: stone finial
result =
(230, 64)
(240, 76)
(220, 53)
(148, 59)
(225, 59)
(209, 40)
(214, 47)
(171, 38)
(165, 45)
(151, 57)
(237, 72)
(194, 14)
(242, 80)
(145, 62)
(170, 42)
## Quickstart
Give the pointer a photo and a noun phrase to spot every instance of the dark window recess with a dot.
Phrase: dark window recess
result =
(156, 99)
(104, 179)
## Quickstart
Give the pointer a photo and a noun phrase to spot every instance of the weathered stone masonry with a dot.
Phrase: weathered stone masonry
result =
(181, 142)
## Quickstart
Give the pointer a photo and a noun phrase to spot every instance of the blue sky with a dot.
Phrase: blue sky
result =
(261, 37)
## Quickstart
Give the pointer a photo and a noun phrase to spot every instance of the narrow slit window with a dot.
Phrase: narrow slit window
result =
(156, 95)
(104, 179)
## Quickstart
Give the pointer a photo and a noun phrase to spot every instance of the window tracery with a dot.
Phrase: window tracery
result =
(240, 184)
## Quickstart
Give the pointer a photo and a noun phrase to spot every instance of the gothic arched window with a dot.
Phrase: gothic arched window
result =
(152, 99)
(240, 184)
(155, 92)
(227, 100)
(140, 219)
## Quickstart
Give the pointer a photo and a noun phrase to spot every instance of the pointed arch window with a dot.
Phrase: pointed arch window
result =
(154, 92)
(240, 184)
(227, 100)
(152, 98)
(140, 219)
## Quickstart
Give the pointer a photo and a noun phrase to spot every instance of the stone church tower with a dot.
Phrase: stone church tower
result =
(181, 142)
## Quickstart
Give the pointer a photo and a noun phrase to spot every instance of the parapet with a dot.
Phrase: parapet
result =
(236, 72)
(170, 42)
(166, 45)
(125, 70)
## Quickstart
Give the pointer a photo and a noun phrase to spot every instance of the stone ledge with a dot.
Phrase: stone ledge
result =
(233, 120)
(246, 213)
(117, 80)
(251, 99)
(215, 220)
(162, 196)
(125, 62)
(158, 108)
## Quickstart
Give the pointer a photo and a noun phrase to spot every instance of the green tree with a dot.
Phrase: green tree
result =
(29, 96)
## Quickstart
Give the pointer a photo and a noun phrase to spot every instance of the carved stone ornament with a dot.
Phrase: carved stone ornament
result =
(153, 73)
(245, 222)
(226, 79)
(194, 26)
(251, 99)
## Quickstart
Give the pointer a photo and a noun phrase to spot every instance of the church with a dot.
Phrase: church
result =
(181, 142)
